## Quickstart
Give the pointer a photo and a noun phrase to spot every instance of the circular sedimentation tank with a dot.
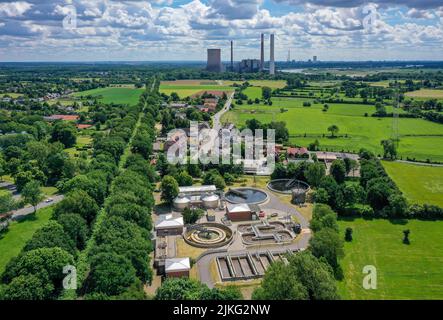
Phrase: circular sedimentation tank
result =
(208, 235)
(246, 195)
(289, 186)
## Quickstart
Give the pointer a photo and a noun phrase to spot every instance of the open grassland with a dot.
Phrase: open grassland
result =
(425, 93)
(19, 232)
(420, 184)
(411, 271)
(419, 139)
(186, 88)
(113, 95)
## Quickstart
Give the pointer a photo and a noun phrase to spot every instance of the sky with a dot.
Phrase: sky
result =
(108, 30)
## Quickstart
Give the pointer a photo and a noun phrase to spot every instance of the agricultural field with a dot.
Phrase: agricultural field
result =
(186, 88)
(419, 139)
(113, 95)
(420, 184)
(403, 271)
(426, 93)
(19, 232)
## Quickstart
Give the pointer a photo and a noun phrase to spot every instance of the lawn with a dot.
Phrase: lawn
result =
(411, 271)
(419, 138)
(19, 232)
(114, 95)
(420, 184)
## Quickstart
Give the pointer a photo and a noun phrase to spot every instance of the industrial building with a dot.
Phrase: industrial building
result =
(197, 196)
(214, 63)
(242, 211)
(249, 66)
(177, 267)
(169, 225)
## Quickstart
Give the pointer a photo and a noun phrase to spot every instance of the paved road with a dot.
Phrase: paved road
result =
(11, 188)
(425, 164)
(216, 125)
(21, 213)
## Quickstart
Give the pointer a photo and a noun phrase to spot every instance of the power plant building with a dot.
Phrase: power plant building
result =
(250, 66)
(214, 63)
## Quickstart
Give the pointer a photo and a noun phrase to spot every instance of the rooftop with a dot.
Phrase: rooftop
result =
(241, 207)
(190, 189)
(170, 223)
(177, 264)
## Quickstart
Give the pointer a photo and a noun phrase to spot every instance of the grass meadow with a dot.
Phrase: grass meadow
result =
(411, 271)
(114, 95)
(19, 232)
(420, 184)
(419, 138)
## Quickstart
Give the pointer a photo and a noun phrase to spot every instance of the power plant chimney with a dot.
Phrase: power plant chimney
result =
(262, 56)
(272, 62)
(232, 56)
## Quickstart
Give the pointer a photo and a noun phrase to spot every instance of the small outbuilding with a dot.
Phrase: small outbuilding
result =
(177, 267)
(170, 226)
(238, 212)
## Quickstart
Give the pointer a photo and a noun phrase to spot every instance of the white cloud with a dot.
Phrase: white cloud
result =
(145, 28)
(14, 9)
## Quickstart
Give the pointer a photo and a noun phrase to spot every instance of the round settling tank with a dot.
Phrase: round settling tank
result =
(211, 201)
(181, 203)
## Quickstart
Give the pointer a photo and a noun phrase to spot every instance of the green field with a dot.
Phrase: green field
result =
(420, 184)
(186, 88)
(419, 138)
(19, 232)
(403, 271)
(114, 95)
(253, 92)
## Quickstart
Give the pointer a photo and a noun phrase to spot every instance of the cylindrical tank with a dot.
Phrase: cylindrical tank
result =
(181, 203)
(211, 201)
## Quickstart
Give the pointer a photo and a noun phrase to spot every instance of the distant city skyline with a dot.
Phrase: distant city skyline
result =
(183, 30)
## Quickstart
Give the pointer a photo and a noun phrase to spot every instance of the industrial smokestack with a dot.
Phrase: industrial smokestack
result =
(272, 62)
(232, 56)
(262, 56)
